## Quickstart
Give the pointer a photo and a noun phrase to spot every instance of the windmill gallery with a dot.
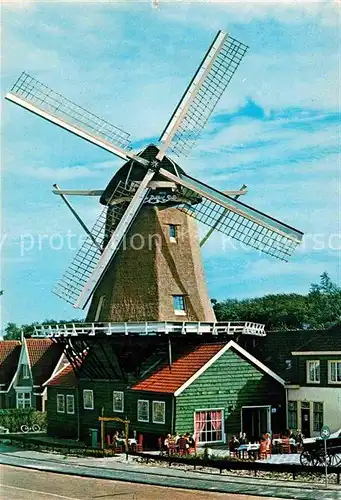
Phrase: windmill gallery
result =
(150, 349)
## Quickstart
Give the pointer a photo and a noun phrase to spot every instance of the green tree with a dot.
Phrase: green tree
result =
(324, 302)
(320, 308)
(12, 332)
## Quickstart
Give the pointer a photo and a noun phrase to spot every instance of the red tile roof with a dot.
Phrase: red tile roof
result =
(44, 355)
(168, 380)
(9, 357)
(65, 378)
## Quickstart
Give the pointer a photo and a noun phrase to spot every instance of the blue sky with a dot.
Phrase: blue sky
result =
(275, 129)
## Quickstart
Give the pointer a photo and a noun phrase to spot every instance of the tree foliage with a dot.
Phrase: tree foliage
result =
(320, 308)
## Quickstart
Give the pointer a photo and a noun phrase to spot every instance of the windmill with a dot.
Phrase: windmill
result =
(152, 195)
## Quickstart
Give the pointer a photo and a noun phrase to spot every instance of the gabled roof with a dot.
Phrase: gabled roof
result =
(190, 366)
(43, 355)
(66, 377)
(9, 357)
(275, 350)
(329, 341)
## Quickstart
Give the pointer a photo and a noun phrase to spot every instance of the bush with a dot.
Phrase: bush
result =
(14, 418)
(92, 452)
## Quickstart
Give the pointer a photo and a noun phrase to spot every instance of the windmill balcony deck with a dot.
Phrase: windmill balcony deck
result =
(150, 328)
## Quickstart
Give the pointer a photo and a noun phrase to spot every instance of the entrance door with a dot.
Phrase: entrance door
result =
(255, 422)
(305, 419)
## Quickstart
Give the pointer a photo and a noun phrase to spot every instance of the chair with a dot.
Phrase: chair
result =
(285, 446)
(171, 447)
(233, 451)
(160, 445)
(183, 450)
(263, 450)
(139, 446)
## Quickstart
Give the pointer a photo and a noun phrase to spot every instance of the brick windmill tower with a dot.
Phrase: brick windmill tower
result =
(141, 261)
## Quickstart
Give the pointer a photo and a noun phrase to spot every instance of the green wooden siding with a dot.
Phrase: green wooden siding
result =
(103, 398)
(61, 424)
(26, 382)
(230, 383)
(155, 428)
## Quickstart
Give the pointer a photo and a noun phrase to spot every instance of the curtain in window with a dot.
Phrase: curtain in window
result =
(200, 422)
(216, 420)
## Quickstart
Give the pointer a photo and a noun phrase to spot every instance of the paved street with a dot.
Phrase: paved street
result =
(21, 484)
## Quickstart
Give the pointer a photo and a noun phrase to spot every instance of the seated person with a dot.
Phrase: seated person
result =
(168, 440)
(121, 438)
(233, 443)
(267, 441)
(190, 441)
(243, 439)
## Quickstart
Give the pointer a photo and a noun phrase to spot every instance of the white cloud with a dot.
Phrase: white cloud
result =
(285, 11)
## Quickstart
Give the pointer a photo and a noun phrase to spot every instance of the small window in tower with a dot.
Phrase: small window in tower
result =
(179, 305)
(172, 232)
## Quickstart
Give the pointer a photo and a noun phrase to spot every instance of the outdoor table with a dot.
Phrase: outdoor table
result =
(132, 443)
(250, 449)
(277, 441)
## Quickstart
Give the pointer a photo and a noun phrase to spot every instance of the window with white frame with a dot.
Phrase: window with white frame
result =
(313, 372)
(23, 400)
(25, 371)
(179, 305)
(172, 233)
(60, 403)
(159, 412)
(70, 404)
(88, 399)
(334, 368)
(209, 426)
(118, 401)
(142, 410)
(317, 416)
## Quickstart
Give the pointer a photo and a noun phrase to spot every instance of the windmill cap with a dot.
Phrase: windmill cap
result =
(134, 171)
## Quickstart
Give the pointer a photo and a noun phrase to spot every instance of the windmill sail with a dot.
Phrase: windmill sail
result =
(201, 96)
(70, 286)
(36, 97)
(235, 219)
(122, 222)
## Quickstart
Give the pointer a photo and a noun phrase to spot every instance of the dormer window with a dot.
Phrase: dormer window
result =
(172, 231)
(25, 371)
(179, 305)
(313, 372)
